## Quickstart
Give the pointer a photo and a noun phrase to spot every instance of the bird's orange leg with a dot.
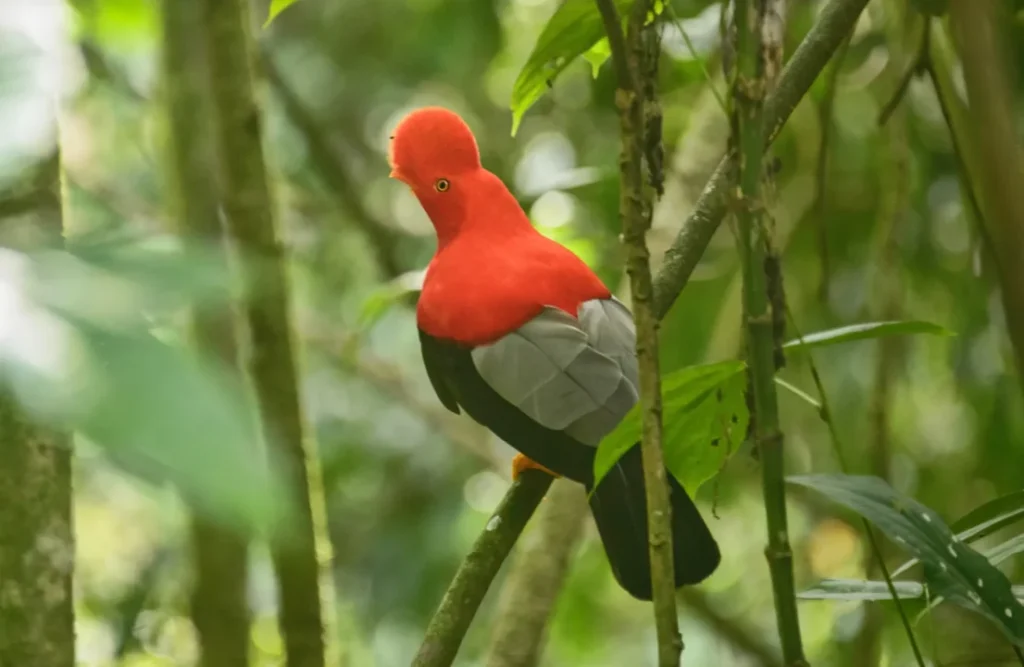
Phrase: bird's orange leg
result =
(521, 463)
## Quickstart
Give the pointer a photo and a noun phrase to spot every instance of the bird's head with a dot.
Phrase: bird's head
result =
(434, 152)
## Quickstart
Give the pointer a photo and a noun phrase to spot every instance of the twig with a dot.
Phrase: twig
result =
(536, 578)
(219, 609)
(837, 19)
(635, 63)
(821, 172)
(467, 590)
(249, 211)
(748, 140)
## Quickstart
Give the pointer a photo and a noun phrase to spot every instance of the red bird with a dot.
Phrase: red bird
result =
(517, 331)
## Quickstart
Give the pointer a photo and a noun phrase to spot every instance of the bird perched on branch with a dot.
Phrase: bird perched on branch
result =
(518, 332)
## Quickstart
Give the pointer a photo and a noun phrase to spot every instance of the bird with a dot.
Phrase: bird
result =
(519, 333)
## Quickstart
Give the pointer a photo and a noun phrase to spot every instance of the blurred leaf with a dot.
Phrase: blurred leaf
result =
(953, 570)
(704, 417)
(982, 521)
(159, 411)
(276, 7)
(384, 297)
(863, 331)
(574, 28)
(931, 7)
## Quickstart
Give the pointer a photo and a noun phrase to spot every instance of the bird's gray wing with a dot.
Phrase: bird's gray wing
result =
(576, 375)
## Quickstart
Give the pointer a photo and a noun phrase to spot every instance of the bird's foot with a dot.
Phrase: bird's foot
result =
(521, 463)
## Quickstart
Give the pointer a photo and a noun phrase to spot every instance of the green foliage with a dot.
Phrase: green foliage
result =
(705, 420)
(953, 570)
(80, 352)
(864, 331)
(572, 30)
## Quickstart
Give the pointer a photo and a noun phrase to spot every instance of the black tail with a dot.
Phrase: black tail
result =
(619, 505)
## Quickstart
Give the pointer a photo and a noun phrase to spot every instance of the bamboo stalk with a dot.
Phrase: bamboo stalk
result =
(749, 140)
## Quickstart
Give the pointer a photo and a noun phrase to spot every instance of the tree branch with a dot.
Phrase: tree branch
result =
(37, 549)
(836, 21)
(984, 54)
(536, 578)
(219, 608)
(249, 212)
(635, 59)
(464, 595)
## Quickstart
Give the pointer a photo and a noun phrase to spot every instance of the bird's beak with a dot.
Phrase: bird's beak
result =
(397, 175)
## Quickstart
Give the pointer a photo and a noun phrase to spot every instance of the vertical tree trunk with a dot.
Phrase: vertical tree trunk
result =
(250, 218)
(219, 608)
(36, 540)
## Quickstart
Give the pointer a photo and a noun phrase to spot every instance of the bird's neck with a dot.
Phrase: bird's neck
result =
(487, 208)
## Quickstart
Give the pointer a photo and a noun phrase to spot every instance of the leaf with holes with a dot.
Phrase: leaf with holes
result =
(864, 331)
(952, 570)
(705, 420)
(982, 522)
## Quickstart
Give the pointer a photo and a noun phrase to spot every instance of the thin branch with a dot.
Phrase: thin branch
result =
(333, 172)
(821, 171)
(635, 60)
(836, 21)
(249, 212)
(536, 578)
(464, 595)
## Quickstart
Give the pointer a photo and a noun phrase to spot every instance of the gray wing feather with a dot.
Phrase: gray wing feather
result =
(576, 375)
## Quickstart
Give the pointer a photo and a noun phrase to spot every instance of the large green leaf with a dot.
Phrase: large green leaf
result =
(572, 30)
(953, 570)
(704, 419)
(863, 331)
(982, 521)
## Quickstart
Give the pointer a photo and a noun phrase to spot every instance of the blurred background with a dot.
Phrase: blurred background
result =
(881, 228)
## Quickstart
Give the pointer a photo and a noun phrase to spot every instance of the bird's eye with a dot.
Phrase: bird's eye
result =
(442, 185)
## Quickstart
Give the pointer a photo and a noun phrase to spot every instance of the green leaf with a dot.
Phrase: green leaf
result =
(78, 353)
(863, 331)
(982, 522)
(276, 7)
(573, 29)
(953, 570)
(705, 419)
(860, 590)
